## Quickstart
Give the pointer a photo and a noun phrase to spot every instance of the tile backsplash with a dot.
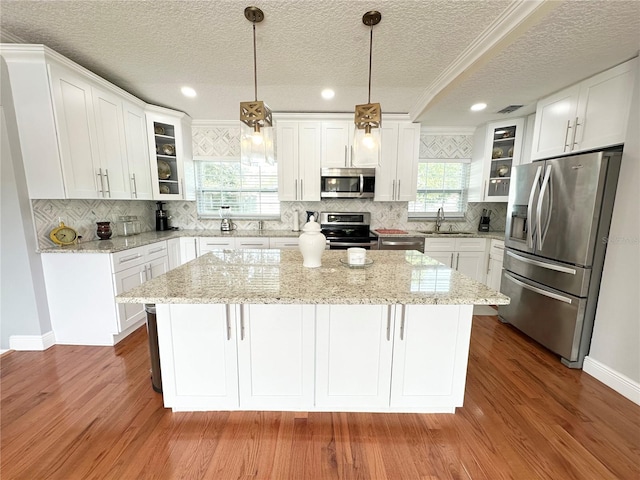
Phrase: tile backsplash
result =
(83, 215)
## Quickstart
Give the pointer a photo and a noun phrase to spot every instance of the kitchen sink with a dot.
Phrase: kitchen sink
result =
(445, 232)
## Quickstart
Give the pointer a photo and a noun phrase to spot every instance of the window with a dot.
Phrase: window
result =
(441, 183)
(250, 191)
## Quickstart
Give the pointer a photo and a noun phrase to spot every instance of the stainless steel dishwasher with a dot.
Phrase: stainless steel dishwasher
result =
(401, 243)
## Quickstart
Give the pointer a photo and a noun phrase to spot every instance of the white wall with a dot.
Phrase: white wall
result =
(614, 357)
(23, 301)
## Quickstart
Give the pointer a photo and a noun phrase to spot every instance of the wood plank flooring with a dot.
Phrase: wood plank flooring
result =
(90, 413)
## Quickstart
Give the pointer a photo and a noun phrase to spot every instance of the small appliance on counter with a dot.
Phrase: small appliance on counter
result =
(226, 225)
(485, 218)
(162, 219)
(128, 225)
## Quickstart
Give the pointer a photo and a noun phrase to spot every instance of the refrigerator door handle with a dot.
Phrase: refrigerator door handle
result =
(532, 194)
(548, 266)
(543, 190)
(555, 296)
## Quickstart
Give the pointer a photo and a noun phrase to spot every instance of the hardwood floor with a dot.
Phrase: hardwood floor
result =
(90, 413)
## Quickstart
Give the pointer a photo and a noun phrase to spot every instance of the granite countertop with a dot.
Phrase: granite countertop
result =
(277, 276)
(118, 244)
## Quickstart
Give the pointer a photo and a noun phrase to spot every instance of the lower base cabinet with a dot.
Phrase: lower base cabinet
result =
(376, 358)
(466, 255)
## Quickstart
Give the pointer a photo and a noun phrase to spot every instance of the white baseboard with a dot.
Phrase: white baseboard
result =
(620, 383)
(32, 342)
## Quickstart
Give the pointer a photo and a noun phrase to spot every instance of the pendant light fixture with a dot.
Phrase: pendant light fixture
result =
(256, 140)
(368, 117)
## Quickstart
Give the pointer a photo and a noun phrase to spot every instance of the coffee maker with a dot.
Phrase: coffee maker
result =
(162, 220)
(485, 218)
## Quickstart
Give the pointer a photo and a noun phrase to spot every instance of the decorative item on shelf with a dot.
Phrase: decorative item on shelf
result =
(64, 235)
(510, 153)
(104, 230)
(168, 149)
(164, 170)
(368, 116)
(503, 170)
(506, 134)
(497, 153)
(159, 130)
(312, 243)
(256, 143)
(164, 189)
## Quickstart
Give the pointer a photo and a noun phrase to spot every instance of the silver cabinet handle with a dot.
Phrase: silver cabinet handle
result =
(195, 246)
(100, 186)
(488, 263)
(393, 188)
(388, 323)
(108, 190)
(575, 131)
(228, 315)
(241, 322)
(135, 186)
(484, 190)
(128, 259)
(301, 190)
(398, 196)
(566, 136)
(351, 157)
(143, 278)
(457, 261)
(555, 296)
(346, 161)
(295, 187)
(402, 323)
(250, 244)
(451, 261)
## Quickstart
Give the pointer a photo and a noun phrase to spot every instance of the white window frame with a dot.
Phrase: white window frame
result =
(235, 213)
(419, 215)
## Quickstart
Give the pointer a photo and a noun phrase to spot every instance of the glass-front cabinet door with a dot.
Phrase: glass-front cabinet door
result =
(504, 142)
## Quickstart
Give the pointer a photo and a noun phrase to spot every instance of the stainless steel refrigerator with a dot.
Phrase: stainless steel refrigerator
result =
(558, 220)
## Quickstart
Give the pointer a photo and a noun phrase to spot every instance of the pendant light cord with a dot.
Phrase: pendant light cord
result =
(255, 65)
(370, 56)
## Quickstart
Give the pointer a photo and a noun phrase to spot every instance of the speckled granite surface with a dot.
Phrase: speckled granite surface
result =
(118, 244)
(416, 233)
(277, 276)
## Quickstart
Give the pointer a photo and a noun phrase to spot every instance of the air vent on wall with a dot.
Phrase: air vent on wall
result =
(510, 108)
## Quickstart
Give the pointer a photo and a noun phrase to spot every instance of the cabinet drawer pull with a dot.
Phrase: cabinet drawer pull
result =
(135, 186)
(389, 323)
(451, 261)
(398, 197)
(457, 261)
(241, 322)
(346, 162)
(128, 259)
(100, 185)
(157, 250)
(402, 323)
(228, 315)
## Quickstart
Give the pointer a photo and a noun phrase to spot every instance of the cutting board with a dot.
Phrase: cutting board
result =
(390, 231)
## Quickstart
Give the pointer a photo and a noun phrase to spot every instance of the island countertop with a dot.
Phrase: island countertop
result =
(278, 277)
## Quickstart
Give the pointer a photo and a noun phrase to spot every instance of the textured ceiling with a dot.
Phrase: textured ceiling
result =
(152, 48)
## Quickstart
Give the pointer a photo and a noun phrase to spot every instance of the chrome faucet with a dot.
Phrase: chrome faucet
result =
(439, 219)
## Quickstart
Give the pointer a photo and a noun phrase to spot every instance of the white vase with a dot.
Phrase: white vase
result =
(312, 243)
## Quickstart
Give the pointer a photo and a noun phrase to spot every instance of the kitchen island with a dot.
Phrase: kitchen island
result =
(255, 330)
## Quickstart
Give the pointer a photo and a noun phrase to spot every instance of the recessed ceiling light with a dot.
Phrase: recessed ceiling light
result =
(478, 106)
(328, 94)
(188, 92)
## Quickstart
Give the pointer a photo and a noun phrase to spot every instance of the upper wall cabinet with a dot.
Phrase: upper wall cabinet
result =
(81, 137)
(497, 149)
(298, 147)
(338, 149)
(170, 146)
(397, 175)
(589, 115)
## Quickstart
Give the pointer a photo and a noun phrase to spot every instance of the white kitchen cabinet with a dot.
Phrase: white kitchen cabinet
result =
(181, 250)
(354, 345)
(285, 243)
(337, 151)
(494, 270)
(276, 356)
(170, 147)
(198, 356)
(173, 252)
(497, 149)
(81, 290)
(397, 174)
(430, 356)
(298, 155)
(591, 114)
(207, 244)
(137, 147)
(466, 255)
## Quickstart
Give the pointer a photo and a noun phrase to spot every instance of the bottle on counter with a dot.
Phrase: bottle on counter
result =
(296, 221)
(312, 243)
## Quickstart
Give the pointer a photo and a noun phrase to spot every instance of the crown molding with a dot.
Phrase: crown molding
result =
(518, 17)
(447, 130)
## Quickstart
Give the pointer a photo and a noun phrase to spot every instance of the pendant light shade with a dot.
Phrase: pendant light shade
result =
(256, 144)
(368, 116)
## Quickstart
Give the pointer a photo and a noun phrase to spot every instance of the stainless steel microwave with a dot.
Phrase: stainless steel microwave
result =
(347, 182)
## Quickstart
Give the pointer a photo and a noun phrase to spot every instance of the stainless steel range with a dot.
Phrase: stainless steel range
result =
(345, 230)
